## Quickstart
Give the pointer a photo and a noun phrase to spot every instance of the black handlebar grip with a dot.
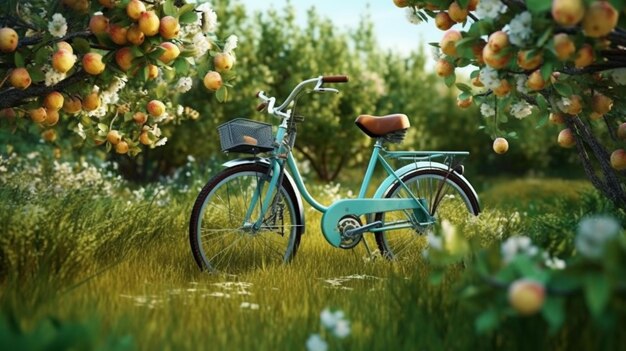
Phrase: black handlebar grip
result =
(335, 79)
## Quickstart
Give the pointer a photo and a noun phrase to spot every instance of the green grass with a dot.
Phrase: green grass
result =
(126, 266)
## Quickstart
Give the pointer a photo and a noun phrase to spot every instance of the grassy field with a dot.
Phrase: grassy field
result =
(84, 268)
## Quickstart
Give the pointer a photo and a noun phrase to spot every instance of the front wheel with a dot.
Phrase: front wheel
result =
(221, 231)
(446, 196)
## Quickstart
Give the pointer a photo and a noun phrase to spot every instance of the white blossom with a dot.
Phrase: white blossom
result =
(553, 262)
(80, 130)
(489, 77)
(490, 9)
(180, 110)
(184, 85)
(411, 15)
(517, 245)
(100, 112)
(593, 235)
(521, 109)
(436, 52)
(521, 80)
(161, 142)
(434, 241)
(520, 29)
(52, 77)
(209, 18)
(563, 104)
(231, 44)
(200, 44)
(316, 343)
(58, 26)
(487, 111)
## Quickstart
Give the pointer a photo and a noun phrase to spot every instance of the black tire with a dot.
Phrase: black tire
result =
(219, 241)
(453, 200)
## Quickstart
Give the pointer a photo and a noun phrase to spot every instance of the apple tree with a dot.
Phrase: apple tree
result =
(560, 61)
(107, 72)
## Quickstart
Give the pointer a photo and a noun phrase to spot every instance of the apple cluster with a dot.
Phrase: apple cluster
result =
(115, 75)
(561, 56)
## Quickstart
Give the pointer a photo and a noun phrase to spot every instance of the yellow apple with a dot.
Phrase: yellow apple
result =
(500, 146)
(171, 52)
(566, 138)
(444, 68)
(618, 159)
(63, 60)
(212, 81)
(149, 23)
(498, 41)
(568, 12)
(155, 108)
(91, 102)
(53, 101)
(63, 45)
(600, 19)
(52, 117)
(584, 56)
(401, 3)
(124, 58)
(38, 115)
(114, 137)
(72, 105)
(556, 118)
(457, 13)
(465, 103)
(49, 135)
(223, 62)
(20, 78)
(495, 60)
(8, 40)
(527, 62)
(144, 138)
(621, 131)
(564, 46)
(92, 63)
(98, 24)
(526, 296)
(503, 89)
(448, 42)
(134, 35)
(135, 8)
(601, 103)
(169, 27)
(153, 71)
(443, 21)
(118, 34)
(140, 118)
(535, 81)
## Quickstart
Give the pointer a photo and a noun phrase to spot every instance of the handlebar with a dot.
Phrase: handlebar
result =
(335, 79)
(268, 102)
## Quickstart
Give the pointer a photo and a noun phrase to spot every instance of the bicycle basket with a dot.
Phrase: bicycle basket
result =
(246, 136)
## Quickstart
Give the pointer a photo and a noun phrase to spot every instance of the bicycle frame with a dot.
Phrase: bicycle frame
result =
(282, 158)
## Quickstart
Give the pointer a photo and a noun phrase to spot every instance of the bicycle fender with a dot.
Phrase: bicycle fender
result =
(401, 172)
(292, 183)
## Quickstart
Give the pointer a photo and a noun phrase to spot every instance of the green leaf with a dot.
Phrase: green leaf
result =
(222, 94)
(546, 70)
(464, 87)
(463, 3)
(597, 293)
(181, 66)
(19, 59)
(36, 75)
(168, 8)
(189, 17)
(563, 89)
(553, 313)
(103, 127)
(542, 103)
(538, 6)
(185, 8)
(487, 321)
(81, 45)
(544, 37)
(449, 80)
(543, 119)
(136, 51)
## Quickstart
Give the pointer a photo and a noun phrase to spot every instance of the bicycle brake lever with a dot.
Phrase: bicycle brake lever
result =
(326, 90)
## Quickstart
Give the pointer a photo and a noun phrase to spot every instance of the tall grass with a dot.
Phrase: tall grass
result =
(121, 259)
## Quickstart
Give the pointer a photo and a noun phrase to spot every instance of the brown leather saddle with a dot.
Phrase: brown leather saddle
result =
(390, 127)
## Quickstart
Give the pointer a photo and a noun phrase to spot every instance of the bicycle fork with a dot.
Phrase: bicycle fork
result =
(269, 200)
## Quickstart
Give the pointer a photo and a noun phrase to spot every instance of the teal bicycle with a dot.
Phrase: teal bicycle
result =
(251, 214)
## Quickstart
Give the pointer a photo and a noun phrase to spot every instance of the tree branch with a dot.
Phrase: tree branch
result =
(13, 97)
(35, 40)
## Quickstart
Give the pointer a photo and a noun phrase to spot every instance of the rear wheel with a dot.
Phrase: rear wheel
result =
(447, 197)
(223, 241)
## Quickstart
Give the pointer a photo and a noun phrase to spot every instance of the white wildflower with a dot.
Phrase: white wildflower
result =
(209, 18)
(619, 75)
(183, 85)
(593, 235)
(489, 77)
(517, 245)
(200, 44)
(52, 77)
(180, 110)
(100, 112)
(411, 15)
(330, 319)
(231, 44)
(342, 329)
(155, 130)
(521, 80)
(553, 262)
(58, 26)
(521, 109)
(487, 111)
(520, 29)
(316, 343)
(434, 241)
(490, 9)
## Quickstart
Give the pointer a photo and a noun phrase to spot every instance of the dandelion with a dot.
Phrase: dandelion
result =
(231, 44)
(490, 9)
(521, 109)
(517, 245)
(411, 16)
(487, 111)
(316, 343)
(58, 26)
(183, 85)
(593, 235)
(520, 29)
